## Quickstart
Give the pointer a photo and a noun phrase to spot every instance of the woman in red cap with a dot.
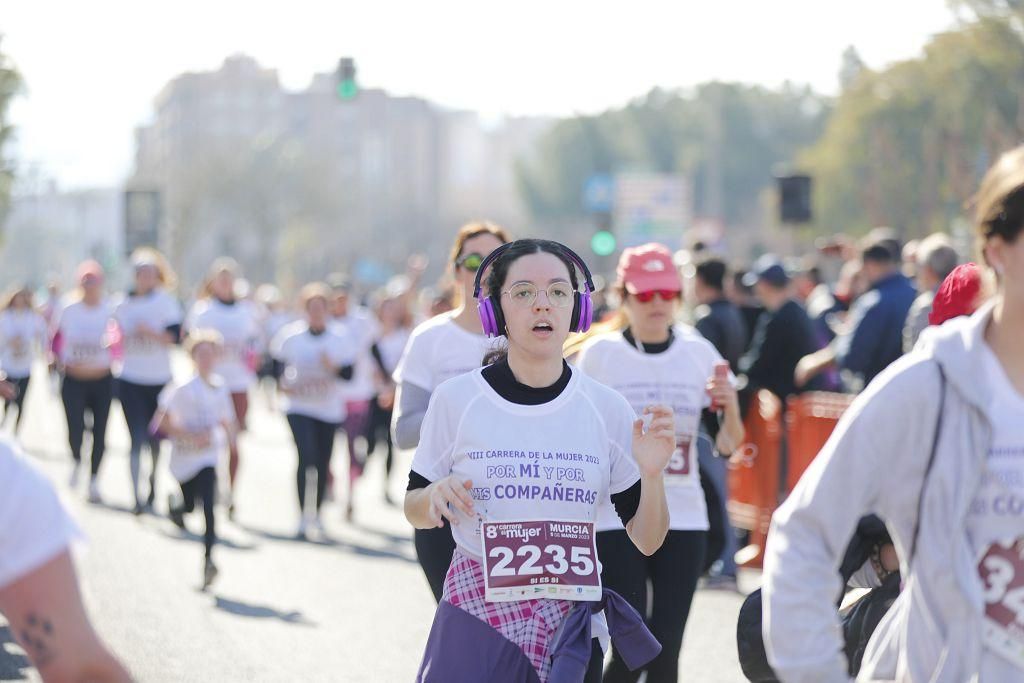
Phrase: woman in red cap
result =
(649, 359)
(82, 355)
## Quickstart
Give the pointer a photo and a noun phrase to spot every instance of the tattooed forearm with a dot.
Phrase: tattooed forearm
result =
(36, 635)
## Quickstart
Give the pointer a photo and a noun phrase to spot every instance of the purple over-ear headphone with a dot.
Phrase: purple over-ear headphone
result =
(489, 307)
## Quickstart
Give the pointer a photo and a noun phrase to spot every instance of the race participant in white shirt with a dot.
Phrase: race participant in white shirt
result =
(316, 358)
(39, 593)
(149, 319)
(358, 394)
(82, 355)
(199, 419)
(443, 347)
(650, 358)
(935, 447)
(238, 324)
(532, 447)
(22, 336)
(395, 329)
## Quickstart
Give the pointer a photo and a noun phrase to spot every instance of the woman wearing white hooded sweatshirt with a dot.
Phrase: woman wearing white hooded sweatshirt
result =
(934, 446)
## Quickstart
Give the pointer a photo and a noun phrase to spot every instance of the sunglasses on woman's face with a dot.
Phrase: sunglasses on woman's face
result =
(665, 294)
(470, 261)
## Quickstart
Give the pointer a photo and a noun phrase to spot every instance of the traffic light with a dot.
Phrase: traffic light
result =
(602, 243)
(794, 198)
(346, 87)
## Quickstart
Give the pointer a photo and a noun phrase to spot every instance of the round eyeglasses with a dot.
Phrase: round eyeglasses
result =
(560, 294)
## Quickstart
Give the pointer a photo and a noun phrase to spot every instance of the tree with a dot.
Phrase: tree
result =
(10, 85)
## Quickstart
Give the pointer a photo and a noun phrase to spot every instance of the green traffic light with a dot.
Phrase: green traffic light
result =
(602, 243)
(348, 89)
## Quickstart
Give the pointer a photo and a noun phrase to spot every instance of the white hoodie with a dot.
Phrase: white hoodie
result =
(875, 461)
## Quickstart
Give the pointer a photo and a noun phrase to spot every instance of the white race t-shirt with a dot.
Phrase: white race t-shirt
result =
(84, 337)
(145, 360)
(361, 327)
(438, 350)
(677, 377)
(34, 527)
(554, 461)
(313, 390)
(239, 325)
(997, 510)
(391, 346)
(197, 405)
(22, 335)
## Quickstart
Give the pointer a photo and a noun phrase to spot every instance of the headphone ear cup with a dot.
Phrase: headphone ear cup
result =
(587, 313)
(497, 316)
(483, 307)
(577, 311)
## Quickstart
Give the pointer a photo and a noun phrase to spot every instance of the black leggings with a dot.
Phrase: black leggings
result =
(314, 440)
(19, 401)
(434, 550)
(380, 420)
(672, 573)
(139, 403)
(202, 486)
(79, 396)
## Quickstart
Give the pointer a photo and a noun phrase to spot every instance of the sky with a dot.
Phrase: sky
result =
(92, 69)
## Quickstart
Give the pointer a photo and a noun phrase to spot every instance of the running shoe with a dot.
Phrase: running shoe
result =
(94, 492)
(138, 509)
(318, 526)
(721, 582)
(210, 572)
(176, 514)
(303, 528)
(75, 472)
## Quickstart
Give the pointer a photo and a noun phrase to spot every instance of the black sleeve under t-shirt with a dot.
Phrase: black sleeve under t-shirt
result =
(500, 378)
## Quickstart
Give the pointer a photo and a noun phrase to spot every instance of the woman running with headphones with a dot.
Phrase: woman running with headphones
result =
(238, 324)
(652, 358)
(518, 456)
(82, 353)
(149, 318)
(443, 347)
(22, 336)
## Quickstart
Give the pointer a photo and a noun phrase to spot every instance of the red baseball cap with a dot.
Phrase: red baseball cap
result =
(648, 268)
(89, 269)
(958, 294)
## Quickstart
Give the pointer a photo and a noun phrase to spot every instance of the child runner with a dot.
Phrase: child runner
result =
(199, 419)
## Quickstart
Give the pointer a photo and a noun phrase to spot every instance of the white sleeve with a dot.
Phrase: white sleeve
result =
(811, 529)
(173, 314)
(414, 366)
(278, 345)
(433, 458)
(619, 422)
(342, 352)
(34, 526)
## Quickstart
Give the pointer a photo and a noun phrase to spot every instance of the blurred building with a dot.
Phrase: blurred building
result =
(297, 184)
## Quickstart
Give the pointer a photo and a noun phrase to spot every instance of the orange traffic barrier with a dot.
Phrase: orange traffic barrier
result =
(754, 474)
(810, 419)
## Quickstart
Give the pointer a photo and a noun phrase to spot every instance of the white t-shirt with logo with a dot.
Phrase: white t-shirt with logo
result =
(677, 377)
(239, 324)
(34, 526)
(22, 336)
(554, 461)
(197, 405)
(362, 328)
(997, 510)
(84, 335)
(438, 350)
(313, 390)
(391, 347)
(145, 360)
